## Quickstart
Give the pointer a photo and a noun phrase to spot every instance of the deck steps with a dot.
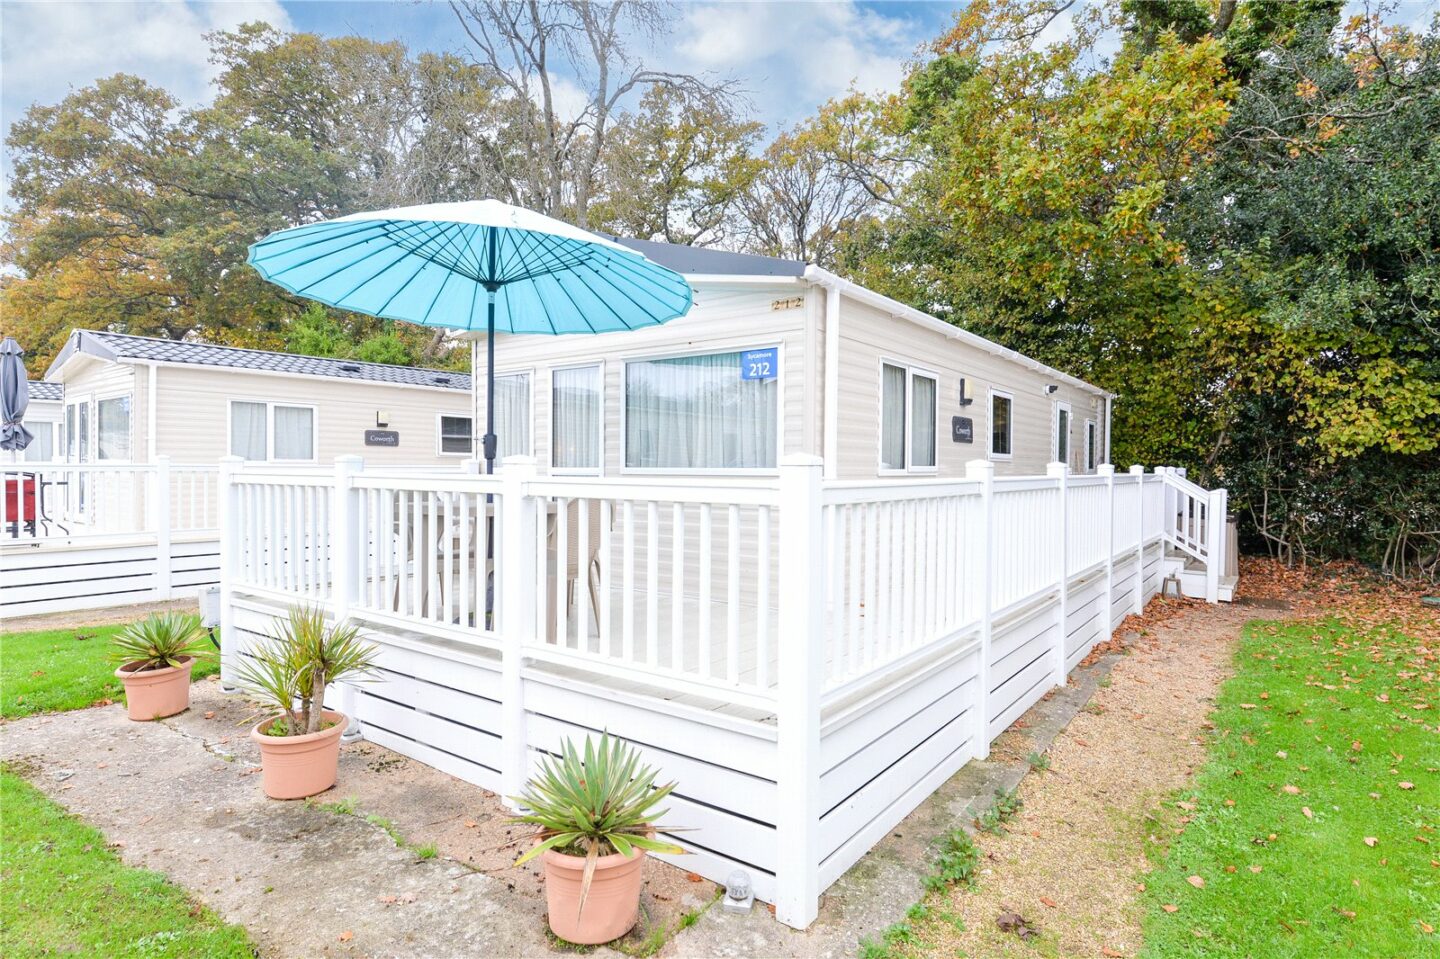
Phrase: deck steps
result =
(1191, 573)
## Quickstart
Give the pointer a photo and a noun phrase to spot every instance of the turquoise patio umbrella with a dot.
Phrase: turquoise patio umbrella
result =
(476, 265)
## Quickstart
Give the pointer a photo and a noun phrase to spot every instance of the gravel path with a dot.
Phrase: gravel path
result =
(1070, 860)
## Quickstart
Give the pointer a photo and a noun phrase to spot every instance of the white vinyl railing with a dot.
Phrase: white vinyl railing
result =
(73, 502)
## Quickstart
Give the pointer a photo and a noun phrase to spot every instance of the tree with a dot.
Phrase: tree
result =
(550, 151)
(676, 170)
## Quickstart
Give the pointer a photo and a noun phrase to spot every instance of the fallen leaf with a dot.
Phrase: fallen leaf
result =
(1229, 868)
(1196, 881)
(1425, 927)
(1406, 785)
(1292, 790)
(1256, 868)
(1370, 840)
(1283, 754)
(346, 936)
(1168, 907)
(694, 877)
(1307, 812)
(1047, 901)
(210, 714)
(1247, 705)
(470, 824)
(1109, 953)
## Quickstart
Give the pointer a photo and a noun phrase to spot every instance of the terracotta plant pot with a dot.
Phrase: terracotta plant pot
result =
(293, 767)
(612, 906)
(156, 693)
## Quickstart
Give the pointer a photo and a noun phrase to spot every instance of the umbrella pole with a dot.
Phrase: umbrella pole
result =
(489, 441)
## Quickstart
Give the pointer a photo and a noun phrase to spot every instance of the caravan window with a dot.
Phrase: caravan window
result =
(272, 431)
(512, 415)
(701, 412)
(575, 437)
(907, 419)
(1002, 425)
(456, 435)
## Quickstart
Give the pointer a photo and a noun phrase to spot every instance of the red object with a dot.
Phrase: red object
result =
(20, 500)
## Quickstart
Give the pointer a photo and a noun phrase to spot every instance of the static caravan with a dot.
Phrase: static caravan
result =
(42, 419)
(130, 399)
(778, 357)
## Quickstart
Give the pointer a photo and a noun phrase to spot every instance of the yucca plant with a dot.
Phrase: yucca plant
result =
(594, 806)
(160, 640)
(290, 671)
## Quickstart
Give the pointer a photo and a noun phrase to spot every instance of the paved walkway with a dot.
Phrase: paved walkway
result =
(182, 796)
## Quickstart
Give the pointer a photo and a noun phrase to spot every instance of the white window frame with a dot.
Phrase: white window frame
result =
(713, 350)
(990, 396)
(1092, 443)
(440, 435)
(96, 400)
(911, 371)
(91, 401)
(270, 427)
(1055, 431)
(599, 468)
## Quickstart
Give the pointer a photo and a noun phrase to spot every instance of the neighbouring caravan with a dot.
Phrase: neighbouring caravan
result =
(129, 399)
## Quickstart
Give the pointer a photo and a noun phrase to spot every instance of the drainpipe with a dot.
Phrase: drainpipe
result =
(830, 447)
(1108, 401)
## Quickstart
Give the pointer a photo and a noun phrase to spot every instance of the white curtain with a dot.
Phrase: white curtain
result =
(294, 433)
(247, 430)
(892, 417)
(695, 412)
(512, 415)
(575, 418)
(922, 404)
(42, 447)
(112, 419)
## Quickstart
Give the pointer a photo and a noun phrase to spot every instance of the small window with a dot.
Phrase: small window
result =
(294, 433)
(1002, 426)
(1091, 446)
(272, 431)
(456, 435)
(575, 419)
(42, 446)
(699, 412)
(1062, 433)
(249, 431)
(907, 418)
(512, 415)
(112, 421)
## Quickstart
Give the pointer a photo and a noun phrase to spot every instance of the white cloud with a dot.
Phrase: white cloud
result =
(48, 49)
(791, 57)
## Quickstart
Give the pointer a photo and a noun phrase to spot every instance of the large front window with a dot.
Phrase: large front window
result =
(575, 419)
(512, 415)
(272, 431)
(700, 412)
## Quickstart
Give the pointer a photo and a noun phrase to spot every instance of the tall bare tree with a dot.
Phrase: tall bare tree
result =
(538, 52)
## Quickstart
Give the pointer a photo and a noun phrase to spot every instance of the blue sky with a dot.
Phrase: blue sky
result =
(789, 56)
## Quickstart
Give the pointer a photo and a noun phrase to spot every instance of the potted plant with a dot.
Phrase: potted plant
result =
(300, 747)
(156, 656)
(595, 819)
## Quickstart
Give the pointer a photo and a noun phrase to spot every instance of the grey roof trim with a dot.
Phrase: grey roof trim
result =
(701, 261)
(147, 349)
(44, 390)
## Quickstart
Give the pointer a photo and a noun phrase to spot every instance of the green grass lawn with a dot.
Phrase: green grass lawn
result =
(1314, 828)
(63, 669)
(62, 892)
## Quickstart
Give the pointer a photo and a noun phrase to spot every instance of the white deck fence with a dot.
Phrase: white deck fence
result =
(74, 536)
(831, 651)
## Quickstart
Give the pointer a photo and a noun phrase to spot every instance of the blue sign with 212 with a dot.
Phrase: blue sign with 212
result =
(760, 364)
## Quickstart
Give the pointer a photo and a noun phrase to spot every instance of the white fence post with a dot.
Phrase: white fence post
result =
(345, 548)
(984, 472)
(228, 514)
(802, 661)
(516, 569)
(1060, 473)
(345, 542)
(161, 512)
(1107, 470)
(1137, 606)
(1215, 555)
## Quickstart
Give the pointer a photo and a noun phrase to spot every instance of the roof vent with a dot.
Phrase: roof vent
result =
(349, 367)
(443, 380)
